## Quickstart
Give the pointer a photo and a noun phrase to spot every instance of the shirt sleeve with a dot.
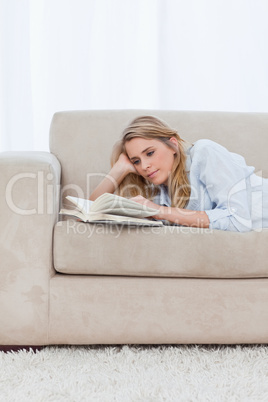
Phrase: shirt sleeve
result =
(225, 177)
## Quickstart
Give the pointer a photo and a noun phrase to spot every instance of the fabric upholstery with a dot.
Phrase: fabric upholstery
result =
(83, 248)
(82, 141)
(29, 208)
(176, 285)
(108, 310)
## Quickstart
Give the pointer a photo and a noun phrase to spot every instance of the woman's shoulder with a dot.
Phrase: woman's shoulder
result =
(207, 151)
(204, 147)
(205, 144)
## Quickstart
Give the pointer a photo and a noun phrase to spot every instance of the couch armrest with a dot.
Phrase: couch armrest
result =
(29, 203)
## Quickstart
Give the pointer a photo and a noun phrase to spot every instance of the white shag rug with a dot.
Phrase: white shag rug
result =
(136, 373)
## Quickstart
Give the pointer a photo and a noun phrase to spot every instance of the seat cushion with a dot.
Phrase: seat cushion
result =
(169, 251)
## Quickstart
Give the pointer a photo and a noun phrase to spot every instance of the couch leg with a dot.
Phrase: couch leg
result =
(17, 348)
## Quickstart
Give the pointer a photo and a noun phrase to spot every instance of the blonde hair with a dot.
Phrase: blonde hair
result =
(150, 127)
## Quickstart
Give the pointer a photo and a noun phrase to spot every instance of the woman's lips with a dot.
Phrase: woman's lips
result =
(151, 175)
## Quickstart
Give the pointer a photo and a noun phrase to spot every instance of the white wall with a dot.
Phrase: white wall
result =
(106, 54)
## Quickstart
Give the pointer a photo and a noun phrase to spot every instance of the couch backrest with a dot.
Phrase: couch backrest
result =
(83, 140)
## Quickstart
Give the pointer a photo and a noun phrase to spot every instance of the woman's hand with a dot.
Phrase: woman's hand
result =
(112, 180)
(179, 216)
(124, 164)
(144, 201)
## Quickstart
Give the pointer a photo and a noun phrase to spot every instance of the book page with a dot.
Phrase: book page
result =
(108, 203)
(95, 217)
(74, 213)
(138, 213)
(82, 204)
(100, 217)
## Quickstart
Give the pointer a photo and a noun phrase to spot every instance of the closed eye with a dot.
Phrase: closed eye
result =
(148, 154)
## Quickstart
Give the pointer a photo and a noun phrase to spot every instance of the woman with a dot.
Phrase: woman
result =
(201, 185)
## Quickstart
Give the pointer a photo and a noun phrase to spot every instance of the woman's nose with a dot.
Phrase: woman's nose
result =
(145, 164)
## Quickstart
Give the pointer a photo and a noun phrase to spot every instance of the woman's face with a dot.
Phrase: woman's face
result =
(152, 159)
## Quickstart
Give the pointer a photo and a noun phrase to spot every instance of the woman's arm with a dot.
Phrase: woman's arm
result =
(113, 179)
(225, 177)
(180, 216)
(184, 217)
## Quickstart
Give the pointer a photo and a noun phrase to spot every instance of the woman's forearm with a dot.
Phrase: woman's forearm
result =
(184, 217)
(110, 183)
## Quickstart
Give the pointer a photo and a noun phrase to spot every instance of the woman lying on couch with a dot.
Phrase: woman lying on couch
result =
(200, 184)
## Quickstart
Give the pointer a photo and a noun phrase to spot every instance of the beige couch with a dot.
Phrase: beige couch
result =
(66, 282)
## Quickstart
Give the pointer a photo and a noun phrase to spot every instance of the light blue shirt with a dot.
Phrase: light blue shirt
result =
(223, 186)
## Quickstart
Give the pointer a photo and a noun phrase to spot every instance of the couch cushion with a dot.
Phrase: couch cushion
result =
(83, 167)
(169, 251)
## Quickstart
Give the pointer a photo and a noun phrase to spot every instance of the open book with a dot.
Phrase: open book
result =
(111, 208)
